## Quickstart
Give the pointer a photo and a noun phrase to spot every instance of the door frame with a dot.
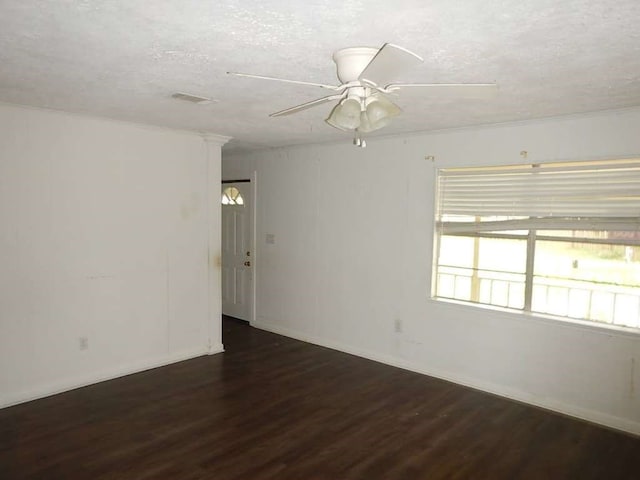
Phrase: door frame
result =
(252, 180)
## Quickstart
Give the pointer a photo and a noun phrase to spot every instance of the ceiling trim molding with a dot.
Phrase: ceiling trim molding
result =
(219, 140)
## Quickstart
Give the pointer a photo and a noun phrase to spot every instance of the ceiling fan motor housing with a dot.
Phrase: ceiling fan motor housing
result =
(352, 61)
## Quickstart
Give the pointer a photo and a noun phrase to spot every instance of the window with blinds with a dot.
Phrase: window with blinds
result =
(561, 239)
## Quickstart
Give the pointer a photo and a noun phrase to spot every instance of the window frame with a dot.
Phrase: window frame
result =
(531, 237)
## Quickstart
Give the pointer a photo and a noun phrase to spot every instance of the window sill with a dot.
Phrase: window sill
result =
(519, 315)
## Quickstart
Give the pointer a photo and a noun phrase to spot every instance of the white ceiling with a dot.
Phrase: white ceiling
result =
(124, 59)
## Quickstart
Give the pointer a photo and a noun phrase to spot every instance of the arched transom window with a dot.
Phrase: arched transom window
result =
(232, 196)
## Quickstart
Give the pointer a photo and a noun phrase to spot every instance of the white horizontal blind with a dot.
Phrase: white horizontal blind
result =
(570, 190)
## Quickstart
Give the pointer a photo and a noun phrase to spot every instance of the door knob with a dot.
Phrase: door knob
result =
(247, 263)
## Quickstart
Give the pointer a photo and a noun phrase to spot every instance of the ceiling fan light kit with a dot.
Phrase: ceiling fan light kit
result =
(346, 114)
(366, 76)
(378, 113)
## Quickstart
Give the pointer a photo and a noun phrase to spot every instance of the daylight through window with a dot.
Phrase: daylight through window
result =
(560, 239)
(232, 196)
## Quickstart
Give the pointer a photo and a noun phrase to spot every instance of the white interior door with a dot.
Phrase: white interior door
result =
(237, 254)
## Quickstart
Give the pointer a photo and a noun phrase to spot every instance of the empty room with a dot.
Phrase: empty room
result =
(284, 240)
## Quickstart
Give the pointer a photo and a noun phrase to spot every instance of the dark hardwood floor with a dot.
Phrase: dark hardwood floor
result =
(276, 408)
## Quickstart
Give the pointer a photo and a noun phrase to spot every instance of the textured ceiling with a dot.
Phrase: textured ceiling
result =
(125, 58)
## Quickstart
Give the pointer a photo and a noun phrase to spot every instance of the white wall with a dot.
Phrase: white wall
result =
(105, 233)
(353, 249)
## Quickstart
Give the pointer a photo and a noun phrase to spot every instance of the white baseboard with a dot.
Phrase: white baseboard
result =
(215, 348)
(600, 418)
(109, 374)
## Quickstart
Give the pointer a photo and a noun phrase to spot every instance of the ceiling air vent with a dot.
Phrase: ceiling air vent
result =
(187, 97)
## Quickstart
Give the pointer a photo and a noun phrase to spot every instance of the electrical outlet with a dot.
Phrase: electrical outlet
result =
(397, 325)
(83, 343)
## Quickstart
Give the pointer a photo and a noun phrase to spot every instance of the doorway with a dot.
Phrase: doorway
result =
(237, 249)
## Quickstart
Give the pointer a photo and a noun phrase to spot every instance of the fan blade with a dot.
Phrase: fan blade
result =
(449, 90)
(304, 106)
(298, 82)
(388, 63)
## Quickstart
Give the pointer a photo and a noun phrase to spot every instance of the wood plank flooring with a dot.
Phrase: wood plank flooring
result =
(276, 408)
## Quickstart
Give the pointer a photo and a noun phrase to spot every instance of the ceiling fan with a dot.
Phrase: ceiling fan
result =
(367, 76)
